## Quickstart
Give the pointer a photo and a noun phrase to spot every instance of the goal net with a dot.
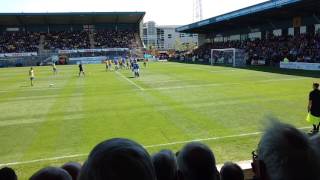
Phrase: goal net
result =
(231, 56)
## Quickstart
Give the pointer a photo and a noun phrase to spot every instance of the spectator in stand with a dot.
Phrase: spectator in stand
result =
(197, 162)
(51, 173)
(165, 165)
(300, 48)
(7, 173)
(118, 159)
(73, 168)
(231, 171)
(114, 39)
(285, 153)
(67, 40)
(19, 42)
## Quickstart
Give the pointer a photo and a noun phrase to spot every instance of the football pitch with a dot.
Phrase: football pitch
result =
(169, 105)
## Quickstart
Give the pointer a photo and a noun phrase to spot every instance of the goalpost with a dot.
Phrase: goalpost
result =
(229, 56)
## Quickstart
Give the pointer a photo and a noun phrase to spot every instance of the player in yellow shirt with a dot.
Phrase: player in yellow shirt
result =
(31, 75)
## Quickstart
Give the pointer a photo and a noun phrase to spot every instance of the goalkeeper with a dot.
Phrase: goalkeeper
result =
(314, 108)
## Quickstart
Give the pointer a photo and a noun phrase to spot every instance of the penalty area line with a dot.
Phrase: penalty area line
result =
(131, 82)
(147, 147)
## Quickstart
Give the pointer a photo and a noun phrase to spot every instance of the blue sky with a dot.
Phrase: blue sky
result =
(163, 12)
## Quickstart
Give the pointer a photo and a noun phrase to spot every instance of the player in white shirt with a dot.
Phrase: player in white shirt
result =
(54, 68)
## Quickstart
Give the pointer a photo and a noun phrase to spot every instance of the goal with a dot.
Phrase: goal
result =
(230, 56)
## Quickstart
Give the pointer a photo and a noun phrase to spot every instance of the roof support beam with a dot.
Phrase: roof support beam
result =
(272, 25)
(19, 20)
(316, 18)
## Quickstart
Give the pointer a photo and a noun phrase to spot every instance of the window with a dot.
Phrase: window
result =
(303, 30)
(277, 32)
(169, 36)
(317, 27)
(291, 31)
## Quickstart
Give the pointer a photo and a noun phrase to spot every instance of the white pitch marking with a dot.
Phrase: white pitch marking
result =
(147, 146)
(193, 86)
(131, 82)
(224, 84)
(167, 81)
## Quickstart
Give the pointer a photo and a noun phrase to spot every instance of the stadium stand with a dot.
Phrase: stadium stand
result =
(269, 32)
(37, 38)
(300, 48)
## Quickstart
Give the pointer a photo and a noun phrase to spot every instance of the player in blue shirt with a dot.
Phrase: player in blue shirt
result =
(116, 64)
(136, 70)
(123, 63)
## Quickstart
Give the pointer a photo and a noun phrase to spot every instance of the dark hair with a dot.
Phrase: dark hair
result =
(316, 85)
(51, 173)
(118, 159)
(288, 154)
(196, 161)
(165, 165)
(231, 171)
(73, 168)
(7, 173)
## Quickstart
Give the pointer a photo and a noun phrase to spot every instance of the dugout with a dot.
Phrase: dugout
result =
(277, 17)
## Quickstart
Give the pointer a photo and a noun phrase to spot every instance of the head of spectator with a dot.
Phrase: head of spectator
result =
(286, 153)
(8, 174)
(315, 139)
(118, 159)
(51, 173)
(231, 171)
(315, 86)
(196, 161)
(165, 165)
(73, 168)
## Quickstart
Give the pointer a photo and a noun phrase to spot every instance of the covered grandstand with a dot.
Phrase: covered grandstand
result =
(270, 15)
(285, 22)
(34, 38)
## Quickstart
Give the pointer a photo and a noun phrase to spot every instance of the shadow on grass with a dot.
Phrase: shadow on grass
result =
(276, 70)
(25, 86)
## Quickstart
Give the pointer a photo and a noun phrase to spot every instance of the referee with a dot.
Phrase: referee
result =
(314, 108)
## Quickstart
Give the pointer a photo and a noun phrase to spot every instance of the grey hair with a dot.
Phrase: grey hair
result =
(288, 153)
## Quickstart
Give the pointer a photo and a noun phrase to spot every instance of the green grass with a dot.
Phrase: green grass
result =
(170, 102)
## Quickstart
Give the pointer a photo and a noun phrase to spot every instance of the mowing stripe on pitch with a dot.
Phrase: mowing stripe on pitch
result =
(225, 84)
(131, 82)
(31, 89)
(146, 146)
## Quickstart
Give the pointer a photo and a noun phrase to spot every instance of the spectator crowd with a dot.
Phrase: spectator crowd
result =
(299, 48)
(13, 42)
(21, 42)
(67, 40)
(113, 39)
(283, 153)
